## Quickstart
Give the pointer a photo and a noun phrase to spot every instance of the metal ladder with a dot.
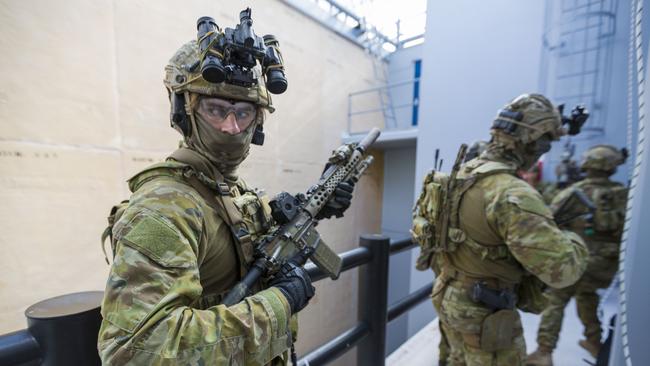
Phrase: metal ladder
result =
(581, 56)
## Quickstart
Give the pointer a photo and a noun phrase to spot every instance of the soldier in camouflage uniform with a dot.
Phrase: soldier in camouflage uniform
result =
(494, 237)
(185, 238)
(444, 350)
(595, 209)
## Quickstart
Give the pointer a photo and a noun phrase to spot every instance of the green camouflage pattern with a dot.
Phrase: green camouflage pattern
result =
(462, 316)
(507, 209)
(444, 350)
(540, 118)
(548, 191)
(174, 258)
(602, 157)
(179, 79)
(601, 269)
(517, 216)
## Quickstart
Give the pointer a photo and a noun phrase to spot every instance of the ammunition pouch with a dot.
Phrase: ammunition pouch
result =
(609, 216)
(499, 330)
(426, 218)
(422, 232)
(255, 212)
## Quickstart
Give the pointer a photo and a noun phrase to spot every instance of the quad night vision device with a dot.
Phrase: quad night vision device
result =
(230, 55)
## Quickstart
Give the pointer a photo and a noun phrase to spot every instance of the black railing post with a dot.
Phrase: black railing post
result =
(373, 300)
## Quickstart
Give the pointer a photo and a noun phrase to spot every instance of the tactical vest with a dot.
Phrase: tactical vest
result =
(606, 220)
(246, 212)
(440, 200)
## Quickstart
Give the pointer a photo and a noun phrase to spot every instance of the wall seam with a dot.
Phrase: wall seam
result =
(116, 93)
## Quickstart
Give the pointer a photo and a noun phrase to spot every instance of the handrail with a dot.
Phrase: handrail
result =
(370, 332)
(410, 301)
(368, 335)
(336, 347)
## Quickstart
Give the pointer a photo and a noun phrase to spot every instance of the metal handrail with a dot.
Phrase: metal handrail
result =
(370, 332)
(337, 346)
(368, 335)
(410, 301)
(384, 86)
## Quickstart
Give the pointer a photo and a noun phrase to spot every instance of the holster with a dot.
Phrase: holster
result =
(494, 299)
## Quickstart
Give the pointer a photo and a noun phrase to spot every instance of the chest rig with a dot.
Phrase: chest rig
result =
(245, 211)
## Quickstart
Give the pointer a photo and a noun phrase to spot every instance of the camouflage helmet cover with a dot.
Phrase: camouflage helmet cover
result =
(602, 157)
(183, 74)
(525, 119)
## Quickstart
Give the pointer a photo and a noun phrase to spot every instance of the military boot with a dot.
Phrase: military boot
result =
(592, 346)
(541, 357)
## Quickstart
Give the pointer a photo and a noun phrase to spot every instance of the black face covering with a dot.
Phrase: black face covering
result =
(534, 150)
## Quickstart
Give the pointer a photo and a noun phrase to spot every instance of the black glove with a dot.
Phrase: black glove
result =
(578, 117)
(295, 284)
(339, 202)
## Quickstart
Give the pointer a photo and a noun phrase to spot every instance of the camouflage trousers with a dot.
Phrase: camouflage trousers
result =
(462, 320)
(599, 274)
(444, 351)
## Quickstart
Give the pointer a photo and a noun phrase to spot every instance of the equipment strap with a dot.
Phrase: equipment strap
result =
(222, 202)
(451, 273)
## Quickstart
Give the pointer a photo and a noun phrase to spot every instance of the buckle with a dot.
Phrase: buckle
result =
(223, 189)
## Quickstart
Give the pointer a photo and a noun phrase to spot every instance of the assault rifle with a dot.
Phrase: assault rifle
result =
(296, 238)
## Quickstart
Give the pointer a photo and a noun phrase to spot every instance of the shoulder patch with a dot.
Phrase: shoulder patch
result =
(159, 241)
(529, 201)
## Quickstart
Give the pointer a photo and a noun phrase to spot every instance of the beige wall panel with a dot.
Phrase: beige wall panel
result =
(55, 203)
(147, 35)
(134, 161)
(58, 83)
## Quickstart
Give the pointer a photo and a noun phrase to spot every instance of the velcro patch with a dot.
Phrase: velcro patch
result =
(159, 241)
(530, 203)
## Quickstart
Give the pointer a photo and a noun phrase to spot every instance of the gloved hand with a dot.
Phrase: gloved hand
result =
(340, 202)
(578, 117)
(295, 284)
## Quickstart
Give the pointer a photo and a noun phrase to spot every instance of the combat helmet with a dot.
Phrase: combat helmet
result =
(525, 119)
(604, 158)
(184, 82)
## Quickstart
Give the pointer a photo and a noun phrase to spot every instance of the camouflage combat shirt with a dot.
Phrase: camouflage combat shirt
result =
(174, 255)
(514, 229)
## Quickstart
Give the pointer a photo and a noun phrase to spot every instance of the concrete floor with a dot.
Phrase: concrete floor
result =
(422, 348)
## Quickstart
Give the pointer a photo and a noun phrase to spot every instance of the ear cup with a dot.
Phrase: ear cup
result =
(258, 136)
